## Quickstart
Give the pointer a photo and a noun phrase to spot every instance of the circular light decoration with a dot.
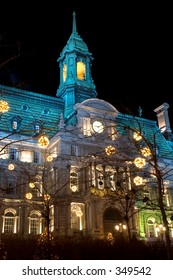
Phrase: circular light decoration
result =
(140, 162)
(31, 185)
(110, 150)
(137, 136)
(46, 197)
(146, 152)
(138, 180)
(3, 106)
(43, 141)
(11, 166)
(28, 195)
(49, 158)
(73, 188)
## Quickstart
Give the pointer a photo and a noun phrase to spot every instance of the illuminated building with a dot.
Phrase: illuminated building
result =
(65, 137)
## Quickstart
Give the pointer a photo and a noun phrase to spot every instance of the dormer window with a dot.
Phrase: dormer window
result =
(38, 126)
(15, 123)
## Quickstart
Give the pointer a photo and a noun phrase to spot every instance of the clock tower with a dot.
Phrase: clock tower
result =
(76, 83)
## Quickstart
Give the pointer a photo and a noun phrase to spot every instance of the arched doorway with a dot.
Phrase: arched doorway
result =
(112, 218)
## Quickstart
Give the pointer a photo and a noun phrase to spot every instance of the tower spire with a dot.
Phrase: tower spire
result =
(74, 30)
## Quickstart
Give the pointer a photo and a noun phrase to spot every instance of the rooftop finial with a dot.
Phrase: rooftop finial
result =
(74, 23)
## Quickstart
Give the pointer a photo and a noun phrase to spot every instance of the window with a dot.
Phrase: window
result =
(26, 156)
(151, 228)
(87, 126)
(77, 216)
(36, 157)
(81, 70)
(11, 185)
(166, 197)
(4, 153)
(15, 123)
(9, 225)
(74, 150)
(35, 223)
(73, 181)
(13, 153)
(37, 127)
(64, 72)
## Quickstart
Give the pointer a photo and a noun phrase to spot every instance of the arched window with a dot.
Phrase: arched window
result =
(9, 225)
(77, 216)
(151, 227)
(35, 222)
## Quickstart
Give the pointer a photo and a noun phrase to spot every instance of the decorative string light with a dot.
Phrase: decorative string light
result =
(43, 141)
(28, 195)
(138, 180)
(11, 166)
(73, 188)
(31, 185)
(137, 136)
(109, 150)
(140, 162)
(46, 197)
(3, 106)
(146, 152)
(49, 158)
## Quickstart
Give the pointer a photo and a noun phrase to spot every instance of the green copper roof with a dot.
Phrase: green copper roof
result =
(150, 131)
(31, 108)
(75, 42)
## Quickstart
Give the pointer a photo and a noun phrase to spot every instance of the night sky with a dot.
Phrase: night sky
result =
(131, 44)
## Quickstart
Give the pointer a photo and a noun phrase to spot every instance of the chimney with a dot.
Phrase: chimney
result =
(163, 119)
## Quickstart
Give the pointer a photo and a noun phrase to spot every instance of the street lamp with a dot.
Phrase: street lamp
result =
(160, 231)
(120, 227)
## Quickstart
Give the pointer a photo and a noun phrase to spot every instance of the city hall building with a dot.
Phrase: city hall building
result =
(74, 164)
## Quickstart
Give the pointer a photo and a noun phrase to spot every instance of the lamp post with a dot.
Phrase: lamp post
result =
(120, 228)
(160, 230)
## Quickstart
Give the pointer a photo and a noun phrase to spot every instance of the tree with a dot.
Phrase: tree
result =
(142, 159)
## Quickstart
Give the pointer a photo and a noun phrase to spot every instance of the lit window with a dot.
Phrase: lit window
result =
(4, 153)
(35, 223)
(74, 181)
(77, 216)
(26, 156)
(15, 123)
(64, 72)
(81, 70)
(9, 225)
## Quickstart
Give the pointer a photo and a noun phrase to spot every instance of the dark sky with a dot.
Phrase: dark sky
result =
(131, 44)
